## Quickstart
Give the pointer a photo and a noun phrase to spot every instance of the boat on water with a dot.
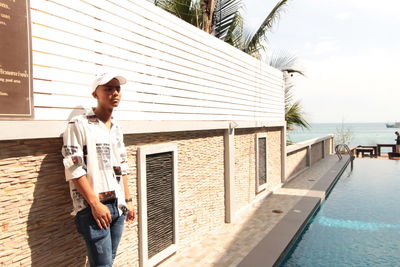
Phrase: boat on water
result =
(393, 125)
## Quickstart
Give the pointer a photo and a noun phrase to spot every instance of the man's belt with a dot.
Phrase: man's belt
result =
(107, 196)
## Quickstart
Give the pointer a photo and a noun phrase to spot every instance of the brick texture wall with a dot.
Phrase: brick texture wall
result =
(36, 226)
(200, 179)
(245, 163)
(274, 159)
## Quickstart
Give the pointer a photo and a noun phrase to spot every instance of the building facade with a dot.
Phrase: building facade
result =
(204, 129)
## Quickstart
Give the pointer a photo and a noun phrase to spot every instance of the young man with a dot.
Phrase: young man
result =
(96, 167)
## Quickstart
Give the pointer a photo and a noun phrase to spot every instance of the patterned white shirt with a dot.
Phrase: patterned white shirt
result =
(91, 149)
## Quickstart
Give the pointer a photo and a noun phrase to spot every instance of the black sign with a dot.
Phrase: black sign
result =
(15, 60)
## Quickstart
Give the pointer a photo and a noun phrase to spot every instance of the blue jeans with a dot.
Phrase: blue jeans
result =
(101, 244)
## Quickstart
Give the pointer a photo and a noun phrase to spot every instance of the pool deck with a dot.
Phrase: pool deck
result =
(259, 235)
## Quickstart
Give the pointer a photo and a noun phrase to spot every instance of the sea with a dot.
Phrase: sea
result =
(357, 133)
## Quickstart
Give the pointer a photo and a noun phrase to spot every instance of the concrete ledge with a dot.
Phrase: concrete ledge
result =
(305, 144)
(272, 249)
(269, 250)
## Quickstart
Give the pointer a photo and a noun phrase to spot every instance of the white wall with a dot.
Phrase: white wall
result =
(175, 71)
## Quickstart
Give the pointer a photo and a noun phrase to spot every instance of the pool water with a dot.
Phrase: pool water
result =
(359, 223)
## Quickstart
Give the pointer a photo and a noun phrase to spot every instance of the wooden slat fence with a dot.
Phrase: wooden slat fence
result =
(175, 71)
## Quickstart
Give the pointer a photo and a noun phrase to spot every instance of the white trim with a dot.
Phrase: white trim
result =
(143, 151)
(32, 129)
(156, 259)
(262, 187)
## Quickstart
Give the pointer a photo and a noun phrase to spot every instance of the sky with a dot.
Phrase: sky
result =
(349, 51)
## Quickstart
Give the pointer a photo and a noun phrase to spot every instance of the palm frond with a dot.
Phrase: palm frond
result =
(288, 62)
(288, 97)
(226, 17)
(285, 61)
(235, 32)
(255, 44)
(187, 10)
(294, 115)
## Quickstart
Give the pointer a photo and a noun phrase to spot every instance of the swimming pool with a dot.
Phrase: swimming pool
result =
(359, 223)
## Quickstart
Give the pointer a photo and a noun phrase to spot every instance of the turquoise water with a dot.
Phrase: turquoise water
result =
(359, 224)
(361, 133)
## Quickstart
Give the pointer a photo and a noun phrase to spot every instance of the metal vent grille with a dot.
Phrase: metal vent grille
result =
(160, 202)
(262, 161)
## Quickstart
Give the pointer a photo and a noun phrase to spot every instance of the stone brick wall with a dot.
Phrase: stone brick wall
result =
(38, 230)
(200, 179)
(274, 159)
(245, 166)
(245, 163)
(36, 226)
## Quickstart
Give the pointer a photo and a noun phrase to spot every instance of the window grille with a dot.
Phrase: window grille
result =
(261, 162)
(158, 202)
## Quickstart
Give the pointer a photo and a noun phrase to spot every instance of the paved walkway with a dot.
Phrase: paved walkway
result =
(228, 245)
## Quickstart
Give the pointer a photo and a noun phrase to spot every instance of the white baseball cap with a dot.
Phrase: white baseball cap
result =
(105, 77)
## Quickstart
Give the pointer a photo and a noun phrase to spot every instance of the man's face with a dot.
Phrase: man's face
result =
(108, 95)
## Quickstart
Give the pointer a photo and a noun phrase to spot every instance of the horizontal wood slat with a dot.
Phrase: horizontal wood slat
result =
(70, 102)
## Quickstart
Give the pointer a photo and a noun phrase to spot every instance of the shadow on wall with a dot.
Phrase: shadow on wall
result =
(52, 235)
(296, 162)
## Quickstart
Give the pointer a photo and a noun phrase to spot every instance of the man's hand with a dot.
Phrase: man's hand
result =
(131, 215)
(101, 215)
(100, 212)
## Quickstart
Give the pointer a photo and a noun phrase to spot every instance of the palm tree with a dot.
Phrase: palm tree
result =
(227, 24)
(187, 10)
(294, 114)
(287, 63)
(255, 43)
(208, 11)
(227, 21)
